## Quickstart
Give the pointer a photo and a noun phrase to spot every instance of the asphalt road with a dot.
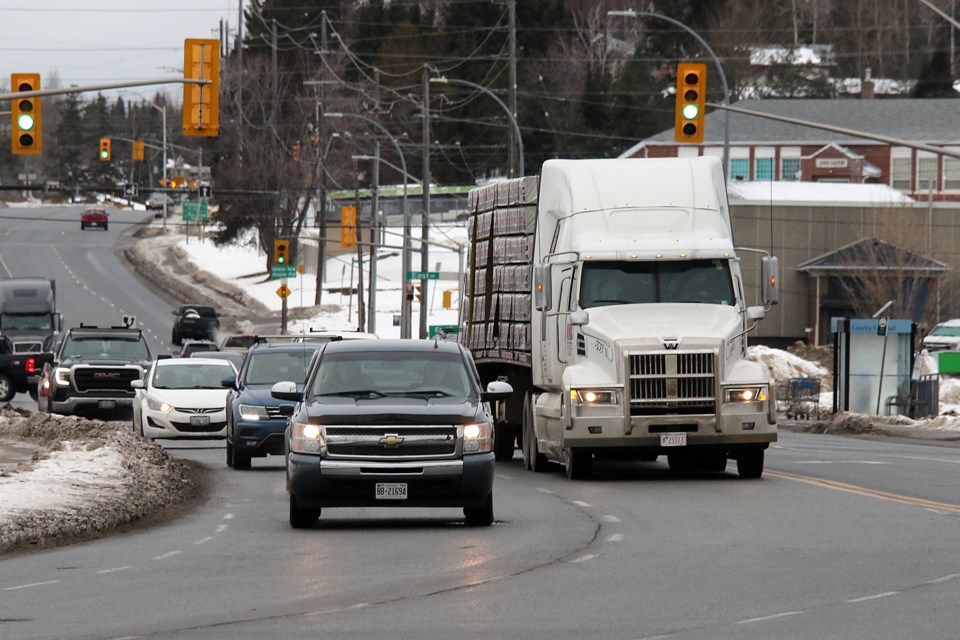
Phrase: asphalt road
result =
(841, 538)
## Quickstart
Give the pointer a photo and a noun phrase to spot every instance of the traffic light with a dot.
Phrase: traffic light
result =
(418, 291)
(281, 253)
(201, 102)
(105, 154)
(138, 150)
(26, 126)
(448, 298)
(408, 291)
(691, 98)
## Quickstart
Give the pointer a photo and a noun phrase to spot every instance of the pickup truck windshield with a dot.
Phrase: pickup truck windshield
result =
(397, 374)
(39, 321)
(105, 348)
(622, 282)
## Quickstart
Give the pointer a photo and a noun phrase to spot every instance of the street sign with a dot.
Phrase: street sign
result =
(423, 275)
(205, 191)
(286, 271)
(130, 190)
(283, 292)
(445, 329)
(195, 211)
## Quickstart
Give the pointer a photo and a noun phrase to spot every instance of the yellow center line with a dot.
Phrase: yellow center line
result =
(870, 493)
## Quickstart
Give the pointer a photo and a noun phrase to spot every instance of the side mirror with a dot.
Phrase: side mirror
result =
(756, 313)
(230, 382)
(137, 384)
(770, 268)
(579, 318)
(286, 390)
(496, 390)
(541, 287)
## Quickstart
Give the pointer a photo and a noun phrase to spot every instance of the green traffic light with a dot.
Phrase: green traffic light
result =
(25, 122)
(280, 259)
(103, 154)
(690, 111)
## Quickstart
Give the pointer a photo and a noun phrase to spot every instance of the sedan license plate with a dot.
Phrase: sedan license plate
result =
(199, 421)
(673, 439)
(391, 491)
(107, 404)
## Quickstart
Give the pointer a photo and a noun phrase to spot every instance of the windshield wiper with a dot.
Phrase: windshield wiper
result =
(428, 392)
(354, 393)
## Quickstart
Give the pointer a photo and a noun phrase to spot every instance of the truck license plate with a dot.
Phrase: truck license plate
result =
(107, 404)
(673, 439)
(199, 421)
(391, 491)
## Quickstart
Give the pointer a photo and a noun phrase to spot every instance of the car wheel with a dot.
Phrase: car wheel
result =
(82, 226)
(6, 389)
(533, 459)
(301, 518)
(750, 464)
(229, 454)
(241, 461)
(176, 338)
(503, 442)
(579, 464)
(480, 516)
(105, 227)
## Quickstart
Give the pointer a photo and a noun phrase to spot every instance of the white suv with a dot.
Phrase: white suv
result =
(944, 337)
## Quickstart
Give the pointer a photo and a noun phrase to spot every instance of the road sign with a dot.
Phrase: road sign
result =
(445, 329)
(130, 190)
(205, 191)
(286, 271)
(423, 275)
(283, 291)
(195, 211)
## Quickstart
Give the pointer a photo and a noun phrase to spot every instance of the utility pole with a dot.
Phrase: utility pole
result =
(374, 214)
(360, 305)
(276, 73)
(425, 221)
(322, 165)
(512, 89)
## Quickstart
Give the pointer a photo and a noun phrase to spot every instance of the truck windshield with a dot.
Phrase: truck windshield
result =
(622, 282)
(409, 374)
(106, 348)
(41, 321)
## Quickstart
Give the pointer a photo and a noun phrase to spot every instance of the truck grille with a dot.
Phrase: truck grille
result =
(88, 379)
(392, 441)
(679, 383)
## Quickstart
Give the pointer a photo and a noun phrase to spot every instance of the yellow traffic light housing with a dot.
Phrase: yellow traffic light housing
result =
(26, 126)
(281, 253)
(201, 102)
(105, 153)
(691, 98)
(348, 227)
(138, 150)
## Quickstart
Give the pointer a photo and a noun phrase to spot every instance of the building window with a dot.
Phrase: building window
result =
(900, 173)
(764, 169)
(790, 168)
(740, 169)
(951, 173)
(927, 178)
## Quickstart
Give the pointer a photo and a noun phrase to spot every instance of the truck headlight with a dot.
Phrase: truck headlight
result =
(595, 396)
(253, 412)
(61, 376)
(745, 394)
(157, 405)
(306, 437)
(477, 437)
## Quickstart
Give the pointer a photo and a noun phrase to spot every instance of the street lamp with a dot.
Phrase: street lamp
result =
(163, 111)
(405, 310)
(631, 13)
(513, 119)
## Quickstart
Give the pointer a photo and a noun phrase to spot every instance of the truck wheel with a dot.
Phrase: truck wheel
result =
(503, 442)
(532, 458)
(750, 464)
(680, 464)
(175, 338)
(301, 518)
(480, 516)
(6, 389)
(34, 394)
(579, 463)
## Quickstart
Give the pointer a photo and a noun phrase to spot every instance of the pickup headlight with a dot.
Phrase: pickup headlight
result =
(478, 437)
(156, 405)
(595, 396)
(745, 394)
(61, 376)
(306, 437)
(253, 412)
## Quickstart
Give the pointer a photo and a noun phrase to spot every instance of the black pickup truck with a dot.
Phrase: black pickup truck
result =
(19, 372)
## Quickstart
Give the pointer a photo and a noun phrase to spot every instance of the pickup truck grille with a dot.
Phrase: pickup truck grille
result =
(672, 383)
(87, 379)
(392, 441)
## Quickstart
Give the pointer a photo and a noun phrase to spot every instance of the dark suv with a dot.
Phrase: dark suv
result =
(392, 423)
(255, 420)
(194, 321)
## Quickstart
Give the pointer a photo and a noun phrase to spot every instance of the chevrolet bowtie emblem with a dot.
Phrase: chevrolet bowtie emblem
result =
(391, 441)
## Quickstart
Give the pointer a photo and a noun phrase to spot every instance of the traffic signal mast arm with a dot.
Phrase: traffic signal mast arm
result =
(40, 93)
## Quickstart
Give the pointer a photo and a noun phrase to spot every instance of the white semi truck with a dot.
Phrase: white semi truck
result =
(609, 294)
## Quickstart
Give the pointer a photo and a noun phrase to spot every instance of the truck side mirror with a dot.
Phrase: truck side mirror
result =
(770, 268)
(541, 287)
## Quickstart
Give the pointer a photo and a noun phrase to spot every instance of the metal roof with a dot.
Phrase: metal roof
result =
(871, 254)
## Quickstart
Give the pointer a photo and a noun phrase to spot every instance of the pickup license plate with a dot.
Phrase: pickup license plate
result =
(673, 439)
(391, 491)
(199, 421)
(107, 404)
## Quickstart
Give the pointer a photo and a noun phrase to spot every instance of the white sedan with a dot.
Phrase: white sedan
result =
(182, 398)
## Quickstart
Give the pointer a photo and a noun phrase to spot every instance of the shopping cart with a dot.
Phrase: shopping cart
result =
(801, 398)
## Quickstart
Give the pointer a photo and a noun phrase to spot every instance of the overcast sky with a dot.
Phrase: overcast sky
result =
(88, 42)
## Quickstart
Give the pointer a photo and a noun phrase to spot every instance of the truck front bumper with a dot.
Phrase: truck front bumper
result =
(645, 431)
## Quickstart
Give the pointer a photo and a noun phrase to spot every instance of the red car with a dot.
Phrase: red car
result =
(93, 218)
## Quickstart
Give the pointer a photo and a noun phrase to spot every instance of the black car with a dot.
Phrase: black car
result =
(393, 423)
(194, 321)
(255, 420)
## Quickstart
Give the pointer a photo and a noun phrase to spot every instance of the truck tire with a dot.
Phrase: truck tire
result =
(34, 394)
(6, 389)
(579, 463)
(503, 442)
(480, 516)
(175, 338)
(750, 464)
(301, 518)
(532, 458)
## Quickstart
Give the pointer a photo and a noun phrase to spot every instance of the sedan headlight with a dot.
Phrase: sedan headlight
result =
(745, 394)
(253, 412)
(478, 437)
(595, 396)
(61, 376)
(157, 405)
(306, 437)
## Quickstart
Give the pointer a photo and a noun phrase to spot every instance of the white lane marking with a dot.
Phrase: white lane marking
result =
(583, 558)
(662, 637)
(938, 512)
(842, 462)
(228, 516)
(615, 537)
(504, 476)
(873, 597)
(773, 617)
(202, 540)
(947, 578)
(32, 584)
(222, 527)
(167, 555)
(115, 569)
(542, 490)
(610, 519)
(581, 503)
